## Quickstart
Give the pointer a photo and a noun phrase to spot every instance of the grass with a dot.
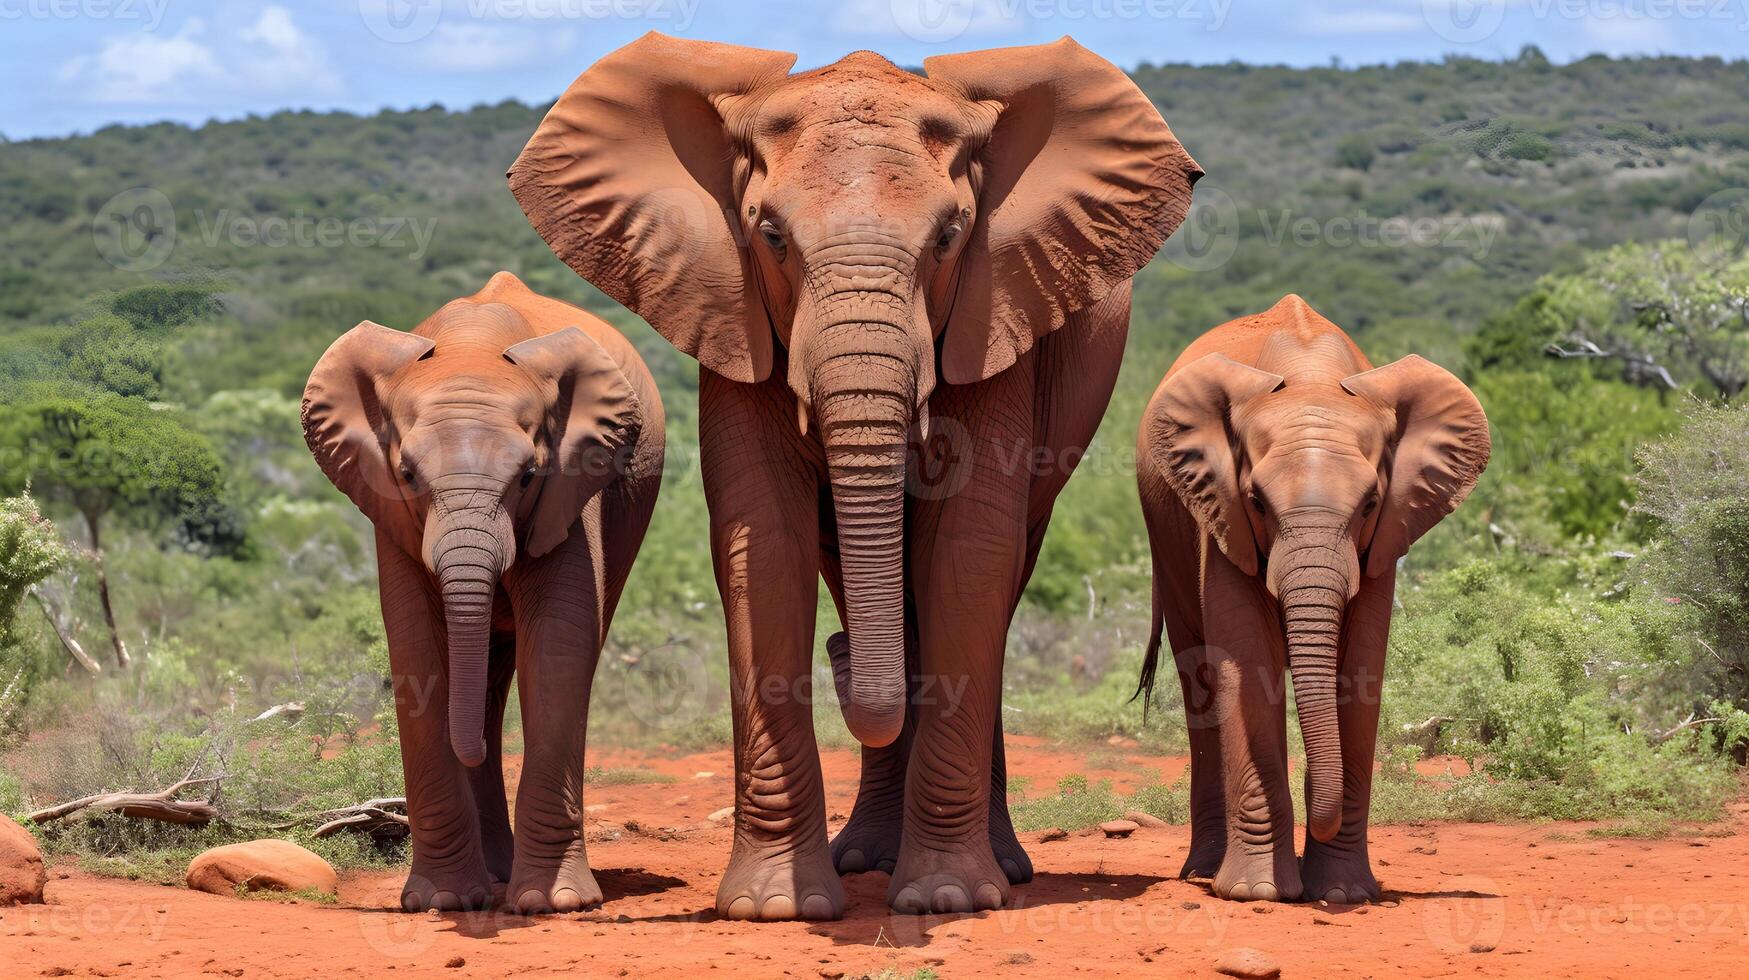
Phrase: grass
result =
(310, 894)
(607, 776)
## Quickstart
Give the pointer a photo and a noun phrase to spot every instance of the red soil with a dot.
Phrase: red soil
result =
(1472, 899)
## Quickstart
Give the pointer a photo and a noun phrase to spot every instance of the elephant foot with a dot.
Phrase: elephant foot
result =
(1336, 876)
(773, 883)
(570, 887)
(446, 891)
(1205, 857)
(963, 879)
(867, 844)
(1010, 856)
(1263, 875)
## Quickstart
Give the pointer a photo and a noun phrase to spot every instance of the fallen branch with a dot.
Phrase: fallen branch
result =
(68, 642)
(1692, 722)
(1432, 724)
(291, 711)
(374, 817)
(162, 805)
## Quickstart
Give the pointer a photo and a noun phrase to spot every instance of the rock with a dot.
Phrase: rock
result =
(1051, 835)
(722, 816)
(1119, 828)
(22, 875)
(1148, 820)
(261, 865)
(1247, 964)
(455, 963)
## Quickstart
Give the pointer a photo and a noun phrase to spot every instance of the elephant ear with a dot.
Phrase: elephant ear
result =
(1079, 184)
(630, 179)
(346, 429)
(592, 415)
(1191, 423)
(1440, 447)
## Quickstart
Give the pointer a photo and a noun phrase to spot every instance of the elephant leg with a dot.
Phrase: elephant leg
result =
(1208, 800)
(496, 840)
(558, 641)
(1010, 856)
(1339, 870)
(762, 488)
(967, 560)
(449, 870)
(1248, 658)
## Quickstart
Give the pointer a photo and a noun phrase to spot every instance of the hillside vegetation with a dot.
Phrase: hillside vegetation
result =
(1577, 629)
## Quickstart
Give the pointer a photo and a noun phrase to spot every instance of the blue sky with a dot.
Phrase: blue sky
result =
(74, 65)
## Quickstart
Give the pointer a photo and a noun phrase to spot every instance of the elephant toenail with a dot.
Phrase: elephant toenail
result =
(411, 902)
(950, 898)
(741, 908)
(852, 861)
(1240, 892)
(448, 901)
(1266, 892)
(567, 900)
(989, 896)
(817, 907)
(886, 865)
(1011, 868)
(778, 907)
(909, 900)
(531, 902)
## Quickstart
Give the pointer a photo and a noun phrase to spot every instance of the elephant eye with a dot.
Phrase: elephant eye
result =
(527, 477)
(1372, 504)
(1258, 502)
(947, 237)
(411, 477)
(772, 236)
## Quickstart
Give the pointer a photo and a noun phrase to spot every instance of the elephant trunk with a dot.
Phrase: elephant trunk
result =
(865, 404)
(1314, 589)
(468, 559)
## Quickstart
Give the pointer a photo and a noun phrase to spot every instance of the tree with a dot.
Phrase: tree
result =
(105, 456)
(1355, 152)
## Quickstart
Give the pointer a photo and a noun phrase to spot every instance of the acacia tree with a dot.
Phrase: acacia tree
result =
(108, 456)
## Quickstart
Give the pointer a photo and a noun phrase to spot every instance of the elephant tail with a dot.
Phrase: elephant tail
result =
(1151, 658)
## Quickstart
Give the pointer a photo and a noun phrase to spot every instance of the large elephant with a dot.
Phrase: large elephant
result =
(875, 269)
(1282, 477)
(508, 451)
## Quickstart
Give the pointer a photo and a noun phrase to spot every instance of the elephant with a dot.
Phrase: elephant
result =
(908, 295)
(508, 451)
(1282, 478)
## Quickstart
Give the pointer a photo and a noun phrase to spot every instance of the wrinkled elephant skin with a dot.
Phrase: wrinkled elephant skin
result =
(508, 450)
(1282, 477)
(908, 295)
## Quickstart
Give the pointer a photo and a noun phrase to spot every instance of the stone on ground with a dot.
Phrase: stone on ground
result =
(261, 865)
(22, 874)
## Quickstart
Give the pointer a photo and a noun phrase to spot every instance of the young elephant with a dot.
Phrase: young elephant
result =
(1282, 476)
(508, 451)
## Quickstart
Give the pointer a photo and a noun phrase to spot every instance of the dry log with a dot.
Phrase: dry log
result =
(62, 633)
(377, 818)
(162, 805)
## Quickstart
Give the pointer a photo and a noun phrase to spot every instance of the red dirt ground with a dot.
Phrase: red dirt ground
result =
(1461, 899)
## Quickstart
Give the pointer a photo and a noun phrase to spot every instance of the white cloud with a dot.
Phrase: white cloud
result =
(1372, 21)
(930, 20)
(1624, 33)
(269, 57)
(491, 47)
(290, 60)
(139, 67)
